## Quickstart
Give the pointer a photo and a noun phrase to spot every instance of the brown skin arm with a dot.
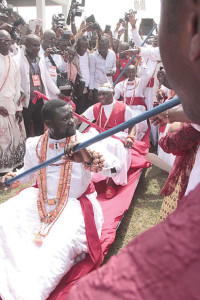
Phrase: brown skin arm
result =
(73, 26)
(6, 26)
(173, 116)
(117, 27)
(132, 20)
(90, 95)
(61, 96)
(131, 52)
(3, 111)
(19, 116)
(21, 99)
(120, 32)
(3, 179)
(129, 142)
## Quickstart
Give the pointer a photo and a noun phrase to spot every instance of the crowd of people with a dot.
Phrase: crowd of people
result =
(47, 79)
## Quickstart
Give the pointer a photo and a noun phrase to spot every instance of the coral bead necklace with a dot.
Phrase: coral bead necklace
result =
(62, 193)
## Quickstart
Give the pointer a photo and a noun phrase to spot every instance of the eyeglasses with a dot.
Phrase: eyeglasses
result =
(5, 40)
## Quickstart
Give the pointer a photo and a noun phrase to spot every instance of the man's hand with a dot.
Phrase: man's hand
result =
(90, 95)
(132, 20)
(6, 177)
(120, 32)
(19, 116)
(117, 26)
(6, 26)
(160, 118)
(160, 97)
(82, 156)
(3, 111)
(48, 52)
(111, 73)
(61, 96)
(2, 183)
(128, 143)
(131, 52)
(88, 27)
(21, 99)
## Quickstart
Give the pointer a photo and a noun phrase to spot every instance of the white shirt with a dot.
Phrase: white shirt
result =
(194, 179)
(84, 66)
(10, 92)
(60, 63)
(99, 67)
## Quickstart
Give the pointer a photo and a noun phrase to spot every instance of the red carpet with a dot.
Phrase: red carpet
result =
(113, 210)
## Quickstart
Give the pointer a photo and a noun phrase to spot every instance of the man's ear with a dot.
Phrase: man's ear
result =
(194, 31)
(48, 123)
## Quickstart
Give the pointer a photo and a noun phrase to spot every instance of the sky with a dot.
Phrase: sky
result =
(106, 12)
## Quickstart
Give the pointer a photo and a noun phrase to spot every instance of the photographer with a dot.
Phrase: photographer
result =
(34, 76)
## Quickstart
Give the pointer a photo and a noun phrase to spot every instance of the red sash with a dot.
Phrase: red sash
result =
(136, 101)
(151, 83)
(93, 260)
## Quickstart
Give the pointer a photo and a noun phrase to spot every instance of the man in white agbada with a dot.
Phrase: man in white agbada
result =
(32, 265)
(12, 134)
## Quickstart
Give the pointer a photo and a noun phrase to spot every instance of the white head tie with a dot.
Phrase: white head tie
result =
(105, 89)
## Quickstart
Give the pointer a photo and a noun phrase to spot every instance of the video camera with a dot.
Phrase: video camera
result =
(91, 19)
(16, 23)
(75, 11)
(5, 12)
(58, 21)
(127, 14)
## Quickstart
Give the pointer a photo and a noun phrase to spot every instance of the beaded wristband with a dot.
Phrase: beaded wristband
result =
(131, 137)
(97, 163)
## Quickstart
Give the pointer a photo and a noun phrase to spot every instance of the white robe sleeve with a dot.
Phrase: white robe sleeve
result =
(29, 161)
(151, 52)
(136, 38)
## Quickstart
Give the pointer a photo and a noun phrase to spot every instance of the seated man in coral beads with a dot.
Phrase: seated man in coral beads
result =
(43, 229)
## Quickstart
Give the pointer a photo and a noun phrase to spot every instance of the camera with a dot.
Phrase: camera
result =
(66, 35)
(5, 12)
(75, 11)
(127, 14)
(55, 51)
(14, 34)
(96, 26)
(58, 21)
(107, 28)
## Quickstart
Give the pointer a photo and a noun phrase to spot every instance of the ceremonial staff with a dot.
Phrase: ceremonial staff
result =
(144, 116)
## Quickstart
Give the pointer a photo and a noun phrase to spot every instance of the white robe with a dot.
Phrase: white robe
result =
(115, 146)
(30, 272)
(12, 135)
(194, 179)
